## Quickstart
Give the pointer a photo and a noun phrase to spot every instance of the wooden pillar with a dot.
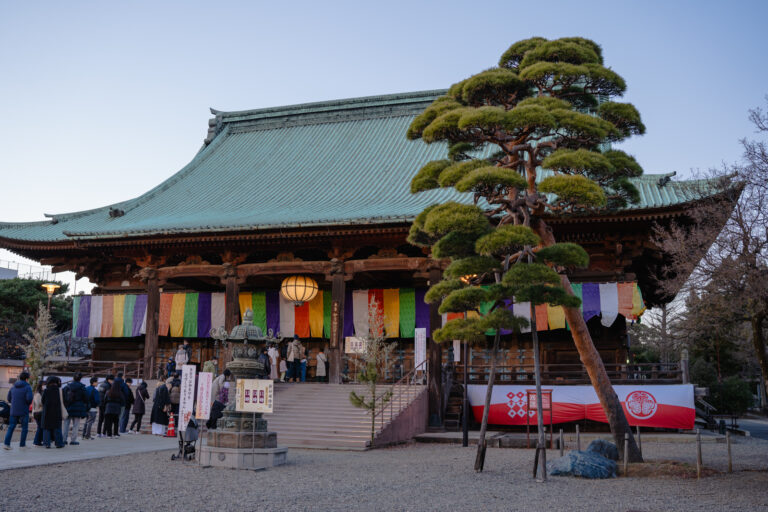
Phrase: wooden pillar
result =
(231, 299)
(338, 293)
(435, 358)
(153, 319)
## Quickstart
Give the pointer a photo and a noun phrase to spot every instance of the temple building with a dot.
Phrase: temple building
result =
(320, 190)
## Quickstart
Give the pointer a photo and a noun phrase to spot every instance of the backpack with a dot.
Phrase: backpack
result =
(69, 396)
(175, 395)
(103, 388)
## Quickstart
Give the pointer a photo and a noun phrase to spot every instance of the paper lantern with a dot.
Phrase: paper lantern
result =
(299, 289)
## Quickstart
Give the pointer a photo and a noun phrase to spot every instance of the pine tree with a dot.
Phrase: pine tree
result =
(528, 139)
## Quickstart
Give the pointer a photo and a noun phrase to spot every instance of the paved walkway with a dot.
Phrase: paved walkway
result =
(756, 427)
(95, 449)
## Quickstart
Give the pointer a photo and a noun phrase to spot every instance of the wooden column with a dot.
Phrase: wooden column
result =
(435, 358)
(338, 293)
(153, 319)
(232, 298)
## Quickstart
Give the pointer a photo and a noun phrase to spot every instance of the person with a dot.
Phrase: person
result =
(320, 370)
(37, 412)
(103, 388)
(20, 397)
(138, 407)
(170, 367)
(220, 387)
(159, 414)
(303, 364)
(174, 392)
(264, 360)
(115, 402)
(126, 413)
(93, 398)
(52, 413)
(76, 402)
(183, 354)
(274, 355)
(294, 359)
(212, 366)
(283, 369)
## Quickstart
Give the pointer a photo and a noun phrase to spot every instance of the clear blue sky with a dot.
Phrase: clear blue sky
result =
(103, 100)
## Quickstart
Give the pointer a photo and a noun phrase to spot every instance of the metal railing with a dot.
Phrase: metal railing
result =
(133, 369)
(391, 403)
(649, 373)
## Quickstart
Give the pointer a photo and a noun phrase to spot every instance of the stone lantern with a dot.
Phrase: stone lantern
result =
(241, 439)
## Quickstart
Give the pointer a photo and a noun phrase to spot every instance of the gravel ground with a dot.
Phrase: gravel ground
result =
(411, 477)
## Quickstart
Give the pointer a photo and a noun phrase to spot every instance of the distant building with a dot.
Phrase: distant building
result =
(8, 273)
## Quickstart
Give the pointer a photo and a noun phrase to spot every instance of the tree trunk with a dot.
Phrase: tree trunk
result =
(480, 459)
(590, 358)
(542, 442)
(758, 341)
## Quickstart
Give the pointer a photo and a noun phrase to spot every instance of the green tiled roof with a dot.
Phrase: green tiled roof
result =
(329, 163)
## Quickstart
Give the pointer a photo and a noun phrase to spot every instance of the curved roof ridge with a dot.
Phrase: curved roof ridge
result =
(331, 105)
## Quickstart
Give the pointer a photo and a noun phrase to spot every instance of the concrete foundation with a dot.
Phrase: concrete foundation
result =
(242, 458)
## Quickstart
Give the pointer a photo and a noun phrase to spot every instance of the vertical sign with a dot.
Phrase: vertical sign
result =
(204, 384)
(254, 395)
(187, 400)
(456, 351)
(420, 348)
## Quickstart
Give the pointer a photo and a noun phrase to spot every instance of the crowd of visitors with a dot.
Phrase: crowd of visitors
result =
(58, 410)
(290, 364)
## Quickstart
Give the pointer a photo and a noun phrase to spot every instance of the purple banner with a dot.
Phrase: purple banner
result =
(84, 317)
(204, 315)
(272, 298)
(138, 314)
(349, 320)
(422, 311)
(590, 300)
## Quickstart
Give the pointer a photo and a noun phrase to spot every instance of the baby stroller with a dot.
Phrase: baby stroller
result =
(5, 414)
(188, 441)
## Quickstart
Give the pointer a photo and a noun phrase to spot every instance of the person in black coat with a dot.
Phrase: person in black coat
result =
(138, 407)
(115, 402)
(52, 413)
(160, 407)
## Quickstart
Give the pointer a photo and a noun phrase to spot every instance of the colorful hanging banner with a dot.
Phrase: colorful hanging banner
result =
(398, 311)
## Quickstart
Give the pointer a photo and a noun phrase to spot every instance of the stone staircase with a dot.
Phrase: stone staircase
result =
(320, 416)
(314, 415)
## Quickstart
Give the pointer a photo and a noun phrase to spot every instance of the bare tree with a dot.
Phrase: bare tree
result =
(728, 284)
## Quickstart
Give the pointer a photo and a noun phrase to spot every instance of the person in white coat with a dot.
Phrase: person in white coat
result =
(320, 374)
(274, 355)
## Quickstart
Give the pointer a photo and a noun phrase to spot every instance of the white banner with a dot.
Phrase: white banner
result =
(420, 348)
(254, 395)
(652, 405)
(456, 351)
(204, 384)
(187, 399)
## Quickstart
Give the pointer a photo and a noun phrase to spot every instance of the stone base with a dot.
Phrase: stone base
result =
(242, 458)
(243, 440)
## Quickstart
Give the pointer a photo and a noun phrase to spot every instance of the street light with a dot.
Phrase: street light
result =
(50, 288)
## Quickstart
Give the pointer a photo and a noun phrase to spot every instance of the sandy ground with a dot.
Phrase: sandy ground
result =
(411, 477)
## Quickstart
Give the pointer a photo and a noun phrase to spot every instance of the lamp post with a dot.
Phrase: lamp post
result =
(50, 288)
